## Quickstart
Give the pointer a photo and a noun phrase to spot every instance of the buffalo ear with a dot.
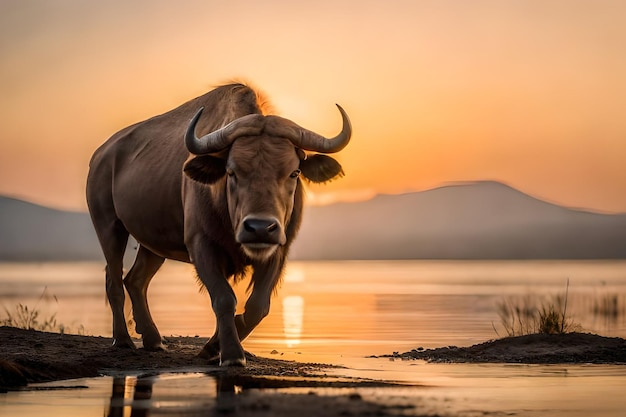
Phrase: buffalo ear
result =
(320, 168)
(206, 169)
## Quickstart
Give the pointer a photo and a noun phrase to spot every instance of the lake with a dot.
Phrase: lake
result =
(339, 312)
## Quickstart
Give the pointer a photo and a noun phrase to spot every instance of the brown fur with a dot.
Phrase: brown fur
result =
(144, 182)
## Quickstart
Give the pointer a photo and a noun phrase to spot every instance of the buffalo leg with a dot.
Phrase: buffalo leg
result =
(113, 238)
(257, 307)
(211, 349)
(136, 282)
(265, 278)
(224, 303)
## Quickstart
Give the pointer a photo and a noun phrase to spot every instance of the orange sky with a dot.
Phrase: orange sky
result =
(531, 93)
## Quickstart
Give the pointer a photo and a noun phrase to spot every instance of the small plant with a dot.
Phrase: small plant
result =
(529, 315)
(24, 317)
(518, 315)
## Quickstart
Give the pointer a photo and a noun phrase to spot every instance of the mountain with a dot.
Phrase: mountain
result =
(29, 232)
(476, 220)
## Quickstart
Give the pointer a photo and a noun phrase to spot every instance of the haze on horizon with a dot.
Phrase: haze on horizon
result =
(528, 93)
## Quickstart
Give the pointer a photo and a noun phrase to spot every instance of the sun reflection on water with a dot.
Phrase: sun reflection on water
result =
(293, 314)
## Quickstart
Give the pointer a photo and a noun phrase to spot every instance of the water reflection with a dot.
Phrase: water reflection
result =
(434, 389)
(189, 394)
(127, 387)
(179, 394)
(293, 313)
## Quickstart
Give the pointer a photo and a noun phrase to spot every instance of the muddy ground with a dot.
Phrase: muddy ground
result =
(28, 356)
(534, 348)
(31, 356)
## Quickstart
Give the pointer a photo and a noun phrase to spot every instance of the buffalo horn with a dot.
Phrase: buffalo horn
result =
(253, 125)
(311, 141)
(220, 139)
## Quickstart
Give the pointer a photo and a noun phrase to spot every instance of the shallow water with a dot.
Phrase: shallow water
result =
(432, 389)
(339, 312)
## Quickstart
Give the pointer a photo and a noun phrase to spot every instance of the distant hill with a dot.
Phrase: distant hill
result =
(477, 220)
(29, 232)
(474, 220)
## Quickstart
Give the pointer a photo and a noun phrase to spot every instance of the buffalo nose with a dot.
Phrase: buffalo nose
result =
(260, 230)
(260, 226)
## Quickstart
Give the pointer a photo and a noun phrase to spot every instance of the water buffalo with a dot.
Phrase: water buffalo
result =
(224, 201)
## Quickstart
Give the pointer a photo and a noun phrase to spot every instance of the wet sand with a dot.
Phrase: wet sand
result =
(29, 356)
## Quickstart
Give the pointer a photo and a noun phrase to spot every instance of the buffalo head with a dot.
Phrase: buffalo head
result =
(261, 159)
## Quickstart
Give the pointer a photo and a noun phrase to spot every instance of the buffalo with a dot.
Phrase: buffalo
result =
(216, 182)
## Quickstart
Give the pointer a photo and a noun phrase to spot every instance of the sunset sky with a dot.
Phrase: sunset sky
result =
(530, 93)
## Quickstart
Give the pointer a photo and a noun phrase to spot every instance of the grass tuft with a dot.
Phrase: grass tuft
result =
(529, 315)
(29, 318)
(25, 318)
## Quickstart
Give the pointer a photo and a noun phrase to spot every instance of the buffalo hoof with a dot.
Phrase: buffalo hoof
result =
(124, 343)
(210, 351)
(212, 360)
(233, 357)
(153, 344)
(154, 347)
(231, 363)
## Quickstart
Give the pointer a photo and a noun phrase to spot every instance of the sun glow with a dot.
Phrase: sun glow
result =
(321, 198)
(527, 94)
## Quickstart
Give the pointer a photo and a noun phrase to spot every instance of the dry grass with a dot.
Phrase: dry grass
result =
(23, 317)
(532, 314)
(31, 318)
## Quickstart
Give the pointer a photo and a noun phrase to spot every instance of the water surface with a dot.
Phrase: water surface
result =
(339, 312)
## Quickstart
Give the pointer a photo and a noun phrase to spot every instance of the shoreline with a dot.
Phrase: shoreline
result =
(269, 386)
(29, 356)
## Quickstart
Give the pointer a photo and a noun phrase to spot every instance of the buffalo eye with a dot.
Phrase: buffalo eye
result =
(295, 174)
(231, 173)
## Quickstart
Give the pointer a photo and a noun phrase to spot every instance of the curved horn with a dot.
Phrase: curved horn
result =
(311, 141)
(221, 139)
